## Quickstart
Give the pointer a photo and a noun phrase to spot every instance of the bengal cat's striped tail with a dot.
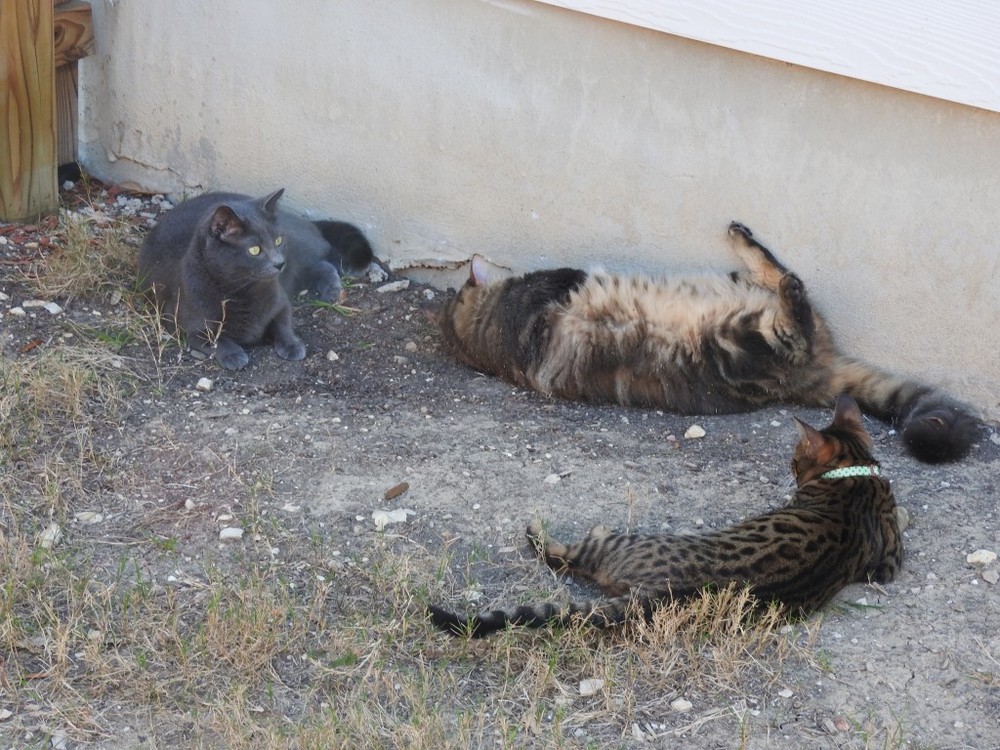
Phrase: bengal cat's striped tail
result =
(935, 427)
(598, 613)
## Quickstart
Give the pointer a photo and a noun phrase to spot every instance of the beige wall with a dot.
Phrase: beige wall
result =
(540, 136)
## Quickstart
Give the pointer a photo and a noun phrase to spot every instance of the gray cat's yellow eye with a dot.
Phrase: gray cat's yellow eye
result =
(278, 241)
(254, 249)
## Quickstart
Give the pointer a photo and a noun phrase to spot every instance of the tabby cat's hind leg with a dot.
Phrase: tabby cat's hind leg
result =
(765, 270)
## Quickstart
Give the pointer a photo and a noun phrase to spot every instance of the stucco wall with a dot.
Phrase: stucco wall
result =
(540, 136)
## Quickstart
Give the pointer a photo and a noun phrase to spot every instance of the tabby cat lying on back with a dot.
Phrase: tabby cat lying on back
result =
(222, 267)
(839, 528)
(693, 345)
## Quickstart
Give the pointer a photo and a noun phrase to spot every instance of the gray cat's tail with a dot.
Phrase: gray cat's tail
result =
(598, 613)
(935, 427)
(352, 253)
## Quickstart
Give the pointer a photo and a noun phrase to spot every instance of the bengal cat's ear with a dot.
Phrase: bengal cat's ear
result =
(479, 274)
(817, 446)
(847, 414)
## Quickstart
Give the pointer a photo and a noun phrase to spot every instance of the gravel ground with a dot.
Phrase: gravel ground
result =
(377, 402)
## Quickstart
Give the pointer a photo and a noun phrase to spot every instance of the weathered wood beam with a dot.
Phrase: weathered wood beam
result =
(74, 31)
(27, 111)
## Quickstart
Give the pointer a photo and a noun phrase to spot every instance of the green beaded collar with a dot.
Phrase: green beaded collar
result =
(851, 471)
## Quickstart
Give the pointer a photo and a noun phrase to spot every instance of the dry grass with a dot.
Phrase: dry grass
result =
(241, 649)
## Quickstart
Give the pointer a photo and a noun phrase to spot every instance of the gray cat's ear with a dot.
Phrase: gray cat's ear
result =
(225, 224)
(270, 203)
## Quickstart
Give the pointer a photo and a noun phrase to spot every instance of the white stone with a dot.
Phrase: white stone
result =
(383, 518)
(204, 385)
(394, 286)
(5, 714)
(88, 516)
(376, 275)
(981, 557)
(428, 294)
(53, 308)
(332, 355)
(694, 432)
(231, 532)
(991, 577)
(785, 693)
(4, 297)
(591, 686)
(50, 537)
(553, 479)
(190, 504)
(30, 303)
(681, 704)
(18, 312)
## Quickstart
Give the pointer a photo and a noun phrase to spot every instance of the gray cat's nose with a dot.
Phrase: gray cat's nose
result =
(280, 265)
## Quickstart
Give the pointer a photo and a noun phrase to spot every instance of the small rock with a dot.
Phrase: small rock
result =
(842, 724)
(694, 432)
(59, 741)
(990, 576)
(204, 385)
(775, 423)
(428, 294)
(591, 686)
(18, 312)
(53, 308)
(30, 303)
(5, 714)
(472, 596)
(399, 359)
(981, 557)
(681, 704)
(410, 346)
(50, 537)
(376, 275)
(394, 286)
(553, 479)
(289, 508)
(4, 297)
(88, 516)
(395, 491)
(332, 355)
(231, 532)
(995, 437)
(190, 504)
(785, 693)
(383, 518)
(68, 185)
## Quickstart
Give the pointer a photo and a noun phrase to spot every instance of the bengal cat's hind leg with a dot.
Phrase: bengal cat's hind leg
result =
(765, 270)
(566, 557)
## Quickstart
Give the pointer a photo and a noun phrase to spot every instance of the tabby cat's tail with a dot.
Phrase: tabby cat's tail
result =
(935, 427)
(351, 248)
(598, 613)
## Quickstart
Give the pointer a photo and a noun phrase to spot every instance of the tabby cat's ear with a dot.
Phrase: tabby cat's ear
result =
(478, 272)
(270, 203)
(847, 414)
(816, 444)
(225, 224)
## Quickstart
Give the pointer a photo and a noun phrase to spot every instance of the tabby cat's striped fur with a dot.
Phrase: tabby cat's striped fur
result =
(834, 532)
(693, 345)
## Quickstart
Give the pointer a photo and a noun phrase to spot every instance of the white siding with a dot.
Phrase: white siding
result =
(943, 48)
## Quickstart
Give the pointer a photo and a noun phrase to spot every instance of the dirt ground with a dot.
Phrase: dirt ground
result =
(378, 402)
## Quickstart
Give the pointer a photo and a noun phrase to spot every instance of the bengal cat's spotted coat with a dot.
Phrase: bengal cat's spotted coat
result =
(836, 530)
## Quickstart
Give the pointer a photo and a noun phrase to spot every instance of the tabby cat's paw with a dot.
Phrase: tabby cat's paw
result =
(736, 229)
(792, 289)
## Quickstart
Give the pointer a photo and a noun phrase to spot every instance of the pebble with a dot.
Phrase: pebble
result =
(88, 516)
(4, 297)
(981, 557)
(50, 537)
(990, 576)
(410, 346)
(553, 479)
(681, 704)
(394, 286)
(428, 294)
(52, 308)
(332, 355)
(395, 491)
(204, 385)
(231, 532)
(18, 312)
(383, 518)
(785, 693)
(5, 714)
(30, 303)
(591, 686)
(694, 432)
(376, 275)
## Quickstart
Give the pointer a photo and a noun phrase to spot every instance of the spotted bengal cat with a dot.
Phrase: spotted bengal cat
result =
(709, 344)
(840, 528)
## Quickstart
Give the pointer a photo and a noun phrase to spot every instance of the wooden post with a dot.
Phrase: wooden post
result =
(27, 111)
(74, 35)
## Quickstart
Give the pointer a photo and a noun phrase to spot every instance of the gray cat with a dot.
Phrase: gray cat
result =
(222, 267)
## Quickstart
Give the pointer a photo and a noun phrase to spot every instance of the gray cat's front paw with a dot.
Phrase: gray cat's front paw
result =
(292, 350)
(234, 359)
